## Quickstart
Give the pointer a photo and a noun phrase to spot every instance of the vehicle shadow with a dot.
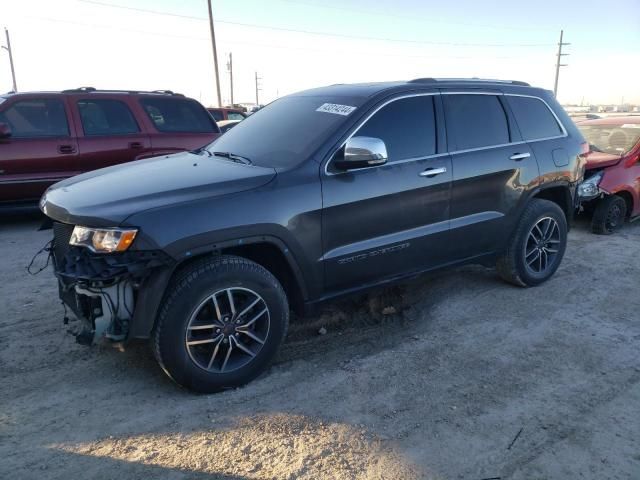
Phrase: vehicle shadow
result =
(106, 468)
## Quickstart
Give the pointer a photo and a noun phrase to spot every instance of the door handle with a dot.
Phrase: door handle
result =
(136, 145)
(519, 156)
(432, 172)
(66, 149)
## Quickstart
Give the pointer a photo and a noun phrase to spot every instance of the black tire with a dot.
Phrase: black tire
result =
(609, 214)
(187, 297)
(513, 264)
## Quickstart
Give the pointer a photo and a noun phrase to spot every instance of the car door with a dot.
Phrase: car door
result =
(177, 124)
(389, 220)
(41, 149)
(492, 168)
(110, 133)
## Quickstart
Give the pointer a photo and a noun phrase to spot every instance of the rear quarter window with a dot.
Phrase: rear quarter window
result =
(173, 115)
(475, 121)
(534, 118)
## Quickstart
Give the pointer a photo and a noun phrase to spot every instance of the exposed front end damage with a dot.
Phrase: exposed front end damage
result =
(101, 289)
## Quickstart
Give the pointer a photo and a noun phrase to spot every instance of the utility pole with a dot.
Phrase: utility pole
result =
(558, 64)
(230, 68)
(257, 87)
(215, 52)
(8, 49)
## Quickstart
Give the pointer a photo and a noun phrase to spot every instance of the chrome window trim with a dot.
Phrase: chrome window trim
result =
(366, 119)
(456, 92)
(564, 130)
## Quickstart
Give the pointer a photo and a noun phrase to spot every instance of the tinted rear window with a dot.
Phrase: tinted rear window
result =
(475, 121)
(106, 117)
(36, 118)
(407, 127)
(178, 115)
(534, 118)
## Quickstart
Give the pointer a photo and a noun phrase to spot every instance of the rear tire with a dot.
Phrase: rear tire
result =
(537, 246)
(210, 334)
(609, 215)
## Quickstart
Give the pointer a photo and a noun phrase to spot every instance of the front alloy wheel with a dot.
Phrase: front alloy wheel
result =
(221, 323)
(227, 330)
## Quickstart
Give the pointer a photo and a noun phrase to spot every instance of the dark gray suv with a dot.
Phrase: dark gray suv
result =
(321, 193)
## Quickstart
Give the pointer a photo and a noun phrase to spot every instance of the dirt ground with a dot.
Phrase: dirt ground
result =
(469, 379)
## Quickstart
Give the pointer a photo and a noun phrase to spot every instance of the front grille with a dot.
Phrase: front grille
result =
(61, 236)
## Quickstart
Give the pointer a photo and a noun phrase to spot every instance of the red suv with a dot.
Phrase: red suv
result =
(47, 137)
(611, 189)
(226, 113)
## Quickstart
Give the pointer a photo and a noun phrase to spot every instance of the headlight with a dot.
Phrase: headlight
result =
(103, 240)
(589, 188)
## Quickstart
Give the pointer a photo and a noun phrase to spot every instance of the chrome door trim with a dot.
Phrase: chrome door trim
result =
(477, 149)
(433, 172)
(365, 120)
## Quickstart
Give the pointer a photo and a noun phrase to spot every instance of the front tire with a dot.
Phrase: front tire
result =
(609, 215)
(221, 324)
(537, 247)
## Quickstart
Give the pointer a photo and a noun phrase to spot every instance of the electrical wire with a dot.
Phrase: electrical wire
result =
(317, 32)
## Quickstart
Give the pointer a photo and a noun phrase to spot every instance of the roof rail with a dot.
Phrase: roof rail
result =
(93, 89)
(474, 79)
(80, 89)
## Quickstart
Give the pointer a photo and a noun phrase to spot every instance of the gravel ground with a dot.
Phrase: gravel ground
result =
(470, 378)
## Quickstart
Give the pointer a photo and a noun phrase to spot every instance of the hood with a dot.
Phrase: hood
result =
(601, 160)
(106, 197)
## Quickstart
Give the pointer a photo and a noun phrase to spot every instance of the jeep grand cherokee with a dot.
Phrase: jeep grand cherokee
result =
(321, 193)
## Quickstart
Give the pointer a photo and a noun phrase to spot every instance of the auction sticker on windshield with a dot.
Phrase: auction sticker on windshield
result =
(335, 108)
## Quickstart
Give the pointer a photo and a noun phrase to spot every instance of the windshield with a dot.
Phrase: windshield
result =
(614, 139)
(282, 134)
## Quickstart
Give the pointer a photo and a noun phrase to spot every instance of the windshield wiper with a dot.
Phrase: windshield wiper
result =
(233, 157)
(201, 150)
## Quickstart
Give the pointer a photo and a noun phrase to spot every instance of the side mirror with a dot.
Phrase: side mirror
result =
(361, 152)
(5, 130)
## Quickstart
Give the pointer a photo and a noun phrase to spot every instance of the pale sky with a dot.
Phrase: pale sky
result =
(299, 44)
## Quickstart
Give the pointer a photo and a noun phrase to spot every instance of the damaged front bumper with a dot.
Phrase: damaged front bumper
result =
(104, 290)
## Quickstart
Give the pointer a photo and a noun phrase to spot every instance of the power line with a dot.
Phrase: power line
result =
(327, 34)
(376, 53)
(421, 19)
(282, 47)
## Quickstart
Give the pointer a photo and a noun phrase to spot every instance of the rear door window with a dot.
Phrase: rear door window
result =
(106, 117)
(178, 115)
(36, 118)
(407, 127)
(534, 118)
(475, 121)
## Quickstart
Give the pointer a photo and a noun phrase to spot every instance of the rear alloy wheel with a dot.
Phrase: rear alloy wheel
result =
(536, 247)
(542, 246)
(221, 324)
(609, 215)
